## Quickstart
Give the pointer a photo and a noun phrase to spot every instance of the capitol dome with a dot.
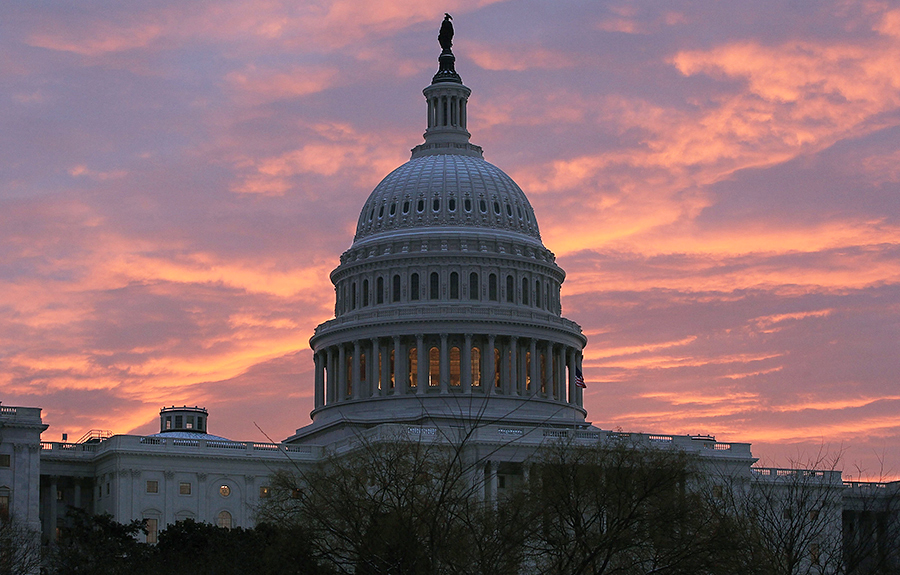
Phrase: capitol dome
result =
(446, 191)
(447, 303)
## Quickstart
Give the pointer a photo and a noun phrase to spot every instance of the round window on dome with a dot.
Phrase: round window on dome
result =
(371, 214)
(508, 210)
(520, 212)
(468, 205)
(406, 207)
(436, 205)
(393, 208)
(381, 212)
(421, 206)
(451, 204)
(483, 206)
(496, 208)
(224, 490)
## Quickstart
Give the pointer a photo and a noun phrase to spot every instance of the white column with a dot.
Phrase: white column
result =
(445, 365)
(489, 361)
(320, 379)
(342, 373)
(421, 365)
(401, 378)
(354, 368)
(466, 367)
(513, 366)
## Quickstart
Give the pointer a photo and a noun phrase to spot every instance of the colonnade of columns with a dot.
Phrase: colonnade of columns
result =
(447, 363)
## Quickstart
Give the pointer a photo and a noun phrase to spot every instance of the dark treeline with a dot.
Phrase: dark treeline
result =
(410, 508)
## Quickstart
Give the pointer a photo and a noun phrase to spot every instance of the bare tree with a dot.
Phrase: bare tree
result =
(794, 517)
(624, 509)
(20, 548)
(871, 528)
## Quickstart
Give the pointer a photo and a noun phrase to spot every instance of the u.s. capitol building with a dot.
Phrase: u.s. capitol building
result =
(447, 315)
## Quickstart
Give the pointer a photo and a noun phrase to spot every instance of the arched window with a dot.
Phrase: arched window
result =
(524, 291)
(476, 367)
(473, 285)
(537, 293)
(510, 289)
(365, 293)
(223, 520)
(454, 285)
(396, 291)
(413, 366)
(414, 287)
(454, 366)
(492, 287)
(434, 367)
(353, 295)
(379, 288)
(434, 286)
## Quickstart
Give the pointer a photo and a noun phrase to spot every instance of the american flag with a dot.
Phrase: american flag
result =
(579, 379)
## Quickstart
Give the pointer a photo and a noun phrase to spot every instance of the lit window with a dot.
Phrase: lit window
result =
(184, 488)
(454, 366)
(224, 490)
(152, 526)
(190, 422)
(434, 364)
(263, 491)
(476, 367)
(223, 520)
(152, 486)
(413, 367)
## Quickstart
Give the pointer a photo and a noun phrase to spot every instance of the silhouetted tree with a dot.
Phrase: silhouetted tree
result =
(20, 548)
(98, 545)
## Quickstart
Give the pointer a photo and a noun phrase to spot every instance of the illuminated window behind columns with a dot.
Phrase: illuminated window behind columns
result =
(454, 366)
(528, 370)
(476, 367)
(392, 369)
(434, 367)
(378, 382)
(349, 372)
(362, 367)
(496, 367)
(543, 373)
(413, 366)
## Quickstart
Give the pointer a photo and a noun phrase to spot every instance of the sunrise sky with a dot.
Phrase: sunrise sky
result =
(720, 181)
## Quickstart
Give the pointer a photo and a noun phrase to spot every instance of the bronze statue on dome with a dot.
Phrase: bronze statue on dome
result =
(445, 36)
